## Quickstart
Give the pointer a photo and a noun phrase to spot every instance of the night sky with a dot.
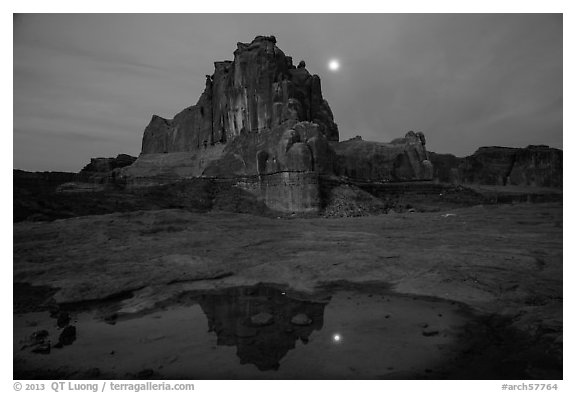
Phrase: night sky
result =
(87, 85)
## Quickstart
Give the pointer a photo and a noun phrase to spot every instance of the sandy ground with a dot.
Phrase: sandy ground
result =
(497, 259)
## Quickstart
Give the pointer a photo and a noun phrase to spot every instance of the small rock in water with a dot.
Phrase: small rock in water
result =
(301, 320)
(63, 319)
(68, 335)
(39, 336)
(262, 319)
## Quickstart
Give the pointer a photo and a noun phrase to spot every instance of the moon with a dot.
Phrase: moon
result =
(333, 65)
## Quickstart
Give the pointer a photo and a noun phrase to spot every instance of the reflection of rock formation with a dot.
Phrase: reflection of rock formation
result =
(229, 316)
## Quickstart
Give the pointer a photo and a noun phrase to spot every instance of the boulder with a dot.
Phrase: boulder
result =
(68, 335)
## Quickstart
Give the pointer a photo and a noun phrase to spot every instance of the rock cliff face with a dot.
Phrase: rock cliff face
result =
(400, 160)
(258, 92)
(290, 146)
(539, 166)
(488, 165)
(259, 115)
(446, 167)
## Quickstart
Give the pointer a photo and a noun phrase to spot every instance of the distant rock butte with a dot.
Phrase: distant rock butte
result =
(534, 165)
(102, 165)
(261, 115)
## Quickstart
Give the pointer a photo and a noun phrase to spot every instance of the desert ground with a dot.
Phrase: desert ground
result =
(501, 265)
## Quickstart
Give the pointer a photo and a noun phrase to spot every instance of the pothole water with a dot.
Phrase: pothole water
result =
(256, 332)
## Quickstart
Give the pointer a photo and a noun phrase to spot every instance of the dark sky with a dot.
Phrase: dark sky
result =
(87, 85)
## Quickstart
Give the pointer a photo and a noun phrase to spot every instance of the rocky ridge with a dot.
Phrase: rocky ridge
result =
(534, 165)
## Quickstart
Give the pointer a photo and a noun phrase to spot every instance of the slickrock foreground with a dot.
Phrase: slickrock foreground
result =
(500, 260)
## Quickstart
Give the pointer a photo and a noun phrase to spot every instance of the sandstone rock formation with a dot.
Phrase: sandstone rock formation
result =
(265, 123)
(535, 165)
(402, 159)
(488, 165)
(108, 164)
(260, 115)
(247, 105)
(100, 170)
(445, 167)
